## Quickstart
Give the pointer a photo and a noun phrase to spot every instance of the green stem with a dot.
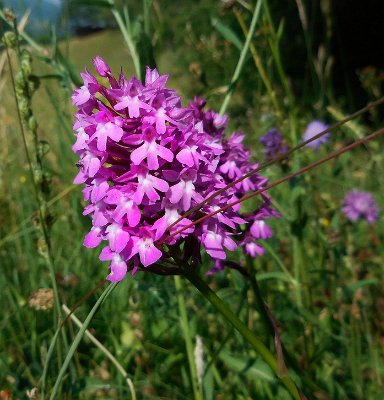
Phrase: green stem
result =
(146, 6)
(258, 297)
(274, 45)
(78, 338)
(52, 345)
(241, 61)
(25, 36)
(40, 200)
(259, 65)
(128, 41)
(297, 270)
(254, 341)
(188, 340)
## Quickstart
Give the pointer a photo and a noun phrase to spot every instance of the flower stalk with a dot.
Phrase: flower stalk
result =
(253, 340)
(242, 57)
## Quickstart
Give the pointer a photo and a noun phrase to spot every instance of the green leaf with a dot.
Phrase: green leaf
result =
(70, 69)
(274, 275)
(208, 385)
(97, 3)
(252, 369)
(359, 284)
(280, 30)
(145, 49)
(227, 33)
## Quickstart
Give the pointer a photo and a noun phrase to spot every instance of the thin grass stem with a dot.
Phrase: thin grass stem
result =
(24, 35)
(79, 337)
(55, 336)
(128, 40)
(52, 201)
(188, 340)
(259, 65)
(242, 57)
(41, 207)
(99, 345)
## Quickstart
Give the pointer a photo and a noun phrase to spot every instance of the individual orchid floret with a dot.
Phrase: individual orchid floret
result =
(260, 230)
(126, 209)
(251, 247)
(80, 96)
(150, 150)
(107, 127)
(360, 205)
(118, 264)
(145, 247)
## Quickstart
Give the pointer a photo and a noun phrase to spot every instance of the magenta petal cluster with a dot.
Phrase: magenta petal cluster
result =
(144, 160)
(360, 205)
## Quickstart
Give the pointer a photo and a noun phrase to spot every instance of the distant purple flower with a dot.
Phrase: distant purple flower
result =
(251, 247)
(273, 143)
(360, 205)
(314, 128)
(145, 160)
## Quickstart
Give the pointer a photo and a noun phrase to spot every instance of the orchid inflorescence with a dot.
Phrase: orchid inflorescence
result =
(145, 160)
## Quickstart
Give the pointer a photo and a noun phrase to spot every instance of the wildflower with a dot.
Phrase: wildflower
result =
(360, 205)
(145, 160)
(273, 143)
(42, 300)
(260, 230)
(314, 128)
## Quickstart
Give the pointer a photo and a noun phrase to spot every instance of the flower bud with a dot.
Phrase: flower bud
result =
(20, 84)
(33, 83)
(10, 39)
(32, 123)
(24, 109)
(101, 66)
(26, 63)
(47, 179)
(42, 247)
(9, 14)
(38, 174)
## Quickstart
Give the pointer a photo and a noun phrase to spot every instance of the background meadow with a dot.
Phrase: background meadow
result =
(322, 275)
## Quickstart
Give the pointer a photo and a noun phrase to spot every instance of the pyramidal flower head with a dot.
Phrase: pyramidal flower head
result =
(360, 205)
(145, 160)
(314, 128)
